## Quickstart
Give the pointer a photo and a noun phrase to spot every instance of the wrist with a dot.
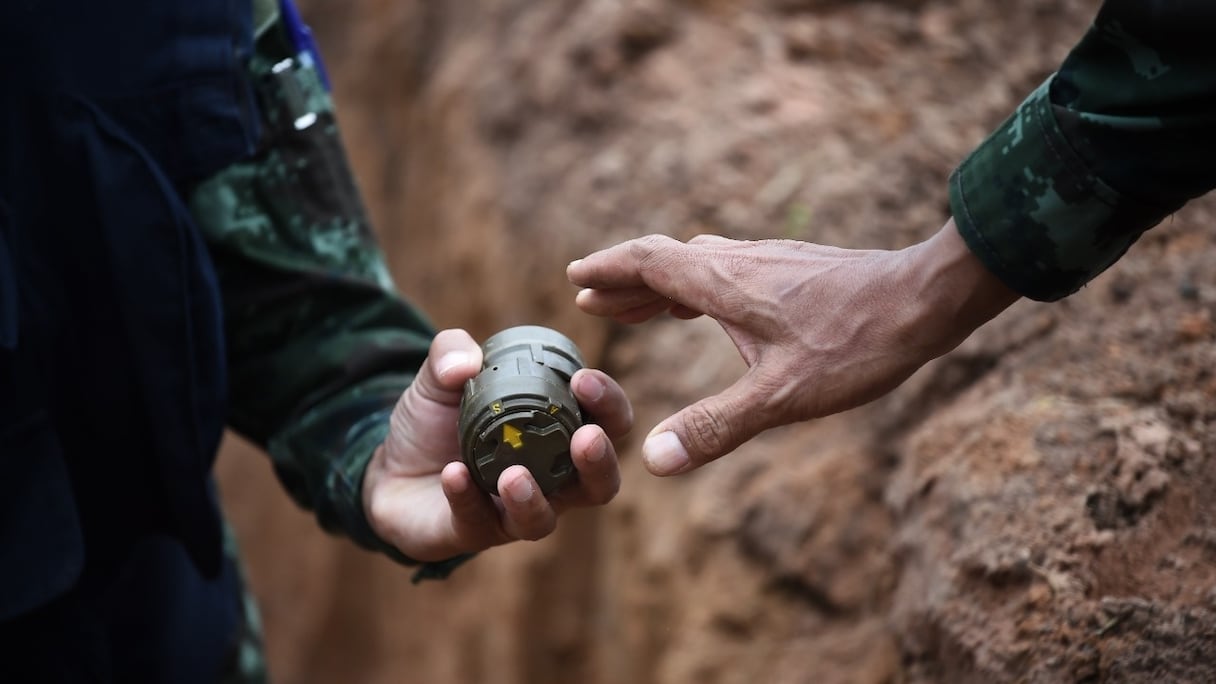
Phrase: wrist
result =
(954, 291)
(375, 474)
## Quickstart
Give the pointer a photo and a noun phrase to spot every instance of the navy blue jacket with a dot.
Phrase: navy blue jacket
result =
(111, 351)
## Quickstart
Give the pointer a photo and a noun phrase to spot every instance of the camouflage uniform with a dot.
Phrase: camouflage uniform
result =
(320, 345)
(1120, 137)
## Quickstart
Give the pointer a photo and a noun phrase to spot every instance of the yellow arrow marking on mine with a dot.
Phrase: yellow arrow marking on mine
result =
(511, 435)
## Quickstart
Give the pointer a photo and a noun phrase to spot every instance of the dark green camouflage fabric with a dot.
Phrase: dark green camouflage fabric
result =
(320, 346)
(1120, 137)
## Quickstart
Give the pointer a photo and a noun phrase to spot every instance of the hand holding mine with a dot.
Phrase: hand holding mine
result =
(419, 496)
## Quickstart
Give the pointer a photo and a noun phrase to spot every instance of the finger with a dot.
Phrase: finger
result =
(617, 266)
(612, 302)
(599, 474)
(527, 512)
(683, 312)
(630, 304)
(643, 313)
(475, 521)
(454, 358)
(603, 401)
(705, 431)
(687, 274)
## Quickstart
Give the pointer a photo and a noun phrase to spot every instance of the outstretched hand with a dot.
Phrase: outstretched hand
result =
(822, 329)
(421, 498)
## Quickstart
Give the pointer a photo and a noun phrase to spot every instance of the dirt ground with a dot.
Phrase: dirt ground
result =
(1033, 507)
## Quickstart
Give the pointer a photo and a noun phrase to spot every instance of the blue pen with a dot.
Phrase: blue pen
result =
(301, 39)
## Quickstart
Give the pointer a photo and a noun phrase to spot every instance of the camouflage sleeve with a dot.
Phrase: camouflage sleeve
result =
(320, 347)
(1120, 137)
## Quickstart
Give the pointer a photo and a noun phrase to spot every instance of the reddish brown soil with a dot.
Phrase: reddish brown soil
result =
(1034, 507)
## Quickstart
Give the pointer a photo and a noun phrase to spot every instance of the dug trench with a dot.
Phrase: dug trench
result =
(1033, 507)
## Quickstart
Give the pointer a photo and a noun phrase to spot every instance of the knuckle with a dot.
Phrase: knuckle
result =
(652, 241)
(738, 267)
(649, 247)
(707, 430)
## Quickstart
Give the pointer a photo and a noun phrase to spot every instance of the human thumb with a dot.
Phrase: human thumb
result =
(454, 358)
(703, 432)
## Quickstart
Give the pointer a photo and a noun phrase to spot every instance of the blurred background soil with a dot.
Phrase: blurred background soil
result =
(1034, 507)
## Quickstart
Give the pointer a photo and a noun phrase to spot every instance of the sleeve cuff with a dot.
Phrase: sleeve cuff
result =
(322, 457)
(1031, 211)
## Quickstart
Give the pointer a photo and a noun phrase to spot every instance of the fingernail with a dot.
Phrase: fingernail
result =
(598, 450)
(663, 454)
(520, 490)
(574, 263)
(450, 361)
(596, 391)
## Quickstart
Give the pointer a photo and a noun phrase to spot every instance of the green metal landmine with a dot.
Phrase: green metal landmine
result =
(520, 408)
